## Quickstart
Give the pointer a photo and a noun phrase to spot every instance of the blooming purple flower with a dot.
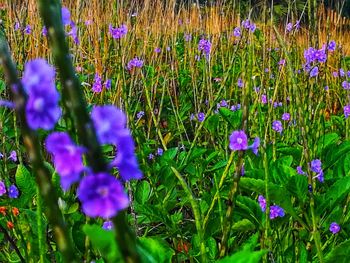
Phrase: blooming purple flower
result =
(334, 228)
(277, 126)
(332, 45)
(286, 116)
(13, 191)
(108, 225)
(200, 116)
(135, 63)
(204, 45)
(297, 25)
(44, 31)
(118, 32)
(108, 121)
(73, 33)
(13, 156)
(347, 111)
(28, 30)
(102, 195)
(42, 109)
(97, 85)
(238, 141)
(276, 211)
(237, 32)
(157, 50)
(289, 27)
(300, 170)
(345, 85)
(159, 151)
(2, 188)
(263, 99)
(223, 103)
(314, 72)
(17, 26)
(108, 84)
(316, 166)
(67, 158)
(140, 114)
(341, 72)
(151, 156)
(247, 24)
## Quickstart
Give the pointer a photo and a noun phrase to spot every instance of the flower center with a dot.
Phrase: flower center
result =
(39, 104)
(103, 191)
(239, 140)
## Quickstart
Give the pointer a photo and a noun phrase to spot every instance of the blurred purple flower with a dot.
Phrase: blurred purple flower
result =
(97, 85)
(108, 84)
(67, 158)
(238, 141)
(345, 85)
(13, 191)
(237, 32)
(300, 170)
(276, 211)
(255, 146)
(204, 46)
(159, 151)
(157, 50)
(262, 203)
(44, 31)
(140, 114)
(286, 116)
(263, 99)
(347, 111)
(13, 156)
(289, 27)
(240, 83)
(188, 37)
(118, 32)
(314, 72)
(109, 121)
(102, 195)
(134, 63)
(28, 30)
(332, 45)
(334, 228)
(277, 126)
(200, 116)
(17, 26)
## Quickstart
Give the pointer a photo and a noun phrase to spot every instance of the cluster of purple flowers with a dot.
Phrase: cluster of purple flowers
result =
(249, 25)
(134, 63)
(316, 167)
(204, 46)
(12, 156)
(118, 32)
(12, 190)
(275, 210)
(239, 142)
(277, 126)
(97, 86)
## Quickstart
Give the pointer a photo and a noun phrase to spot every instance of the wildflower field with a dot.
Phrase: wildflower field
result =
(172, 131)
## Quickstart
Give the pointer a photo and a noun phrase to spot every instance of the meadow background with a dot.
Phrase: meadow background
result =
(187, 75)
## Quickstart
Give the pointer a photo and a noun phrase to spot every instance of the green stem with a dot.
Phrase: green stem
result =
(42, 251)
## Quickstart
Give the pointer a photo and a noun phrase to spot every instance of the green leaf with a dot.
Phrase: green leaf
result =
(234, 118)
(143, 192)
(211, 123)
(243, 226)
(154, 250)
(297, 186)
(335, 152)
(335, 194)
(212, 248)
(26, 185)
(325, 141)
(339, 254)
(103, 241)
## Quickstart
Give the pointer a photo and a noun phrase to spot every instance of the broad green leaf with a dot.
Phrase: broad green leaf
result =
(26, 185)
(142, 192)
(211, 123)
(154, 250)
(243, 226)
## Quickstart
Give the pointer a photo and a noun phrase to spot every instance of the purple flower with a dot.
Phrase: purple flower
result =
(27, 30)
(17, 26)
(44, 31)
(108, 225)
(341, 72)
(109, 121)
(151, 156)
(159, 151)
(13, 191)
(314, 72)
(334, 228)
(289, 27)
(108, 84)
(118, 32)
(140, 114)
(157, 50)
(204, 45)
(262, 202)
(240, 83)
(73, 33)
(223, 103)
(263, 99)
(97, 85)
(335, 74)
(247, 24)
(135, 63)
(13, 156)
(345, 85)
(42, 109)
(65, 16)
(2, 188)
(237, 32)
(277, 126)
(67, 158)
(188, 37)
(276, 211)
(300, 170)
(126, 160)
(316, 166)
(347, 111)
(297, 25)
(286, 116)
(238, 141)
(255, 145)
(332, 45)
(200, 116)
(101, 195)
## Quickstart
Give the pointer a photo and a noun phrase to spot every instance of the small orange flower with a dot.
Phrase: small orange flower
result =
(15, 211)
(3, 210)
(10, 225)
